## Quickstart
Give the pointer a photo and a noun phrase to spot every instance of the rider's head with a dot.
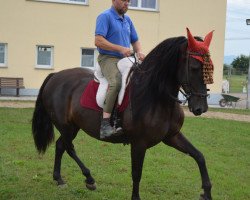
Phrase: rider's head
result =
(121, 6)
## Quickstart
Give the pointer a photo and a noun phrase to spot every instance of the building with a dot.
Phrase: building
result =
(38, 37)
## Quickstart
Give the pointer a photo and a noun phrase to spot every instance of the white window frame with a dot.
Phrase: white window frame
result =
(139, 7)
(50, 66)
(65, 1)
(95, 58)
(4, 64)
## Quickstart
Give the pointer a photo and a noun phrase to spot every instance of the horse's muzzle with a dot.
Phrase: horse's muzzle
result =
(198, 112)
(197, 108)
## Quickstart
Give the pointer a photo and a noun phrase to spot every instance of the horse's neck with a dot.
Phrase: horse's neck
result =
(144, 105)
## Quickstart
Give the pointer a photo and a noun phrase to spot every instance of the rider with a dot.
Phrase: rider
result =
(113, 35)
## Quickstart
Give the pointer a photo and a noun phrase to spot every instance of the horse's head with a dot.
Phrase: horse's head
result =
(195, 72)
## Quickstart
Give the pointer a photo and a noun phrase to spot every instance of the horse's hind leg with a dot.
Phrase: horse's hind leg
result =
(69, 147)
(180, 143)
(57, 165)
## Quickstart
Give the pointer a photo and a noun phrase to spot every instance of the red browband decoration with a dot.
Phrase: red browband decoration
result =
(202, 48)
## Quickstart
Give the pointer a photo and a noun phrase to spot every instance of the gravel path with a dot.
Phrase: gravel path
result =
(17, 104)
(220, 115)
(209, 114)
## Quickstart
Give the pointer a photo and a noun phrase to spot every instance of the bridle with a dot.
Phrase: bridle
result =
(186, 88)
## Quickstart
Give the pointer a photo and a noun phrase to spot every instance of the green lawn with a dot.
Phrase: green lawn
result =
(167, 174)
(236, 83)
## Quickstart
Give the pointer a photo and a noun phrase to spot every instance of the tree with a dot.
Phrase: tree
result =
(241, 63)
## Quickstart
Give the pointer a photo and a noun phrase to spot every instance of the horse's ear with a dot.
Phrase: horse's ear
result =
(191, 40)
(208, 38)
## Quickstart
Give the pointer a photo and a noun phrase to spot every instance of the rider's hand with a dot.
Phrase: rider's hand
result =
(126, 52)
(140, 56)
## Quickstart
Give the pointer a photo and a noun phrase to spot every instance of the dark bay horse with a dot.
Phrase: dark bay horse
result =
(154, 114)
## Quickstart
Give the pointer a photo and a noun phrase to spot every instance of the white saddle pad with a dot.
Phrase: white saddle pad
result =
(124, 66)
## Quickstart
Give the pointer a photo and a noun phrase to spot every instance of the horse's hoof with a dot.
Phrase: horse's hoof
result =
(203, 197)
(59, 181)
(91, 186)
(62, 186)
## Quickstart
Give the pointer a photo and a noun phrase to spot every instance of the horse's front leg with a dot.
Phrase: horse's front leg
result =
(137, 157)
(180, 143)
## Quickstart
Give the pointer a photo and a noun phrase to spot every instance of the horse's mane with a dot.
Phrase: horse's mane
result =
(154, 81)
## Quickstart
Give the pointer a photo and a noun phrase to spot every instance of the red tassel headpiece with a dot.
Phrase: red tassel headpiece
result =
(202, 48)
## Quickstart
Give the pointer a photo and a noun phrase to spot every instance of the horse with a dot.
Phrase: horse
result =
(153, 115)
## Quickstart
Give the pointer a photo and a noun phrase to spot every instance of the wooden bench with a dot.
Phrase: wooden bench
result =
(11, 83)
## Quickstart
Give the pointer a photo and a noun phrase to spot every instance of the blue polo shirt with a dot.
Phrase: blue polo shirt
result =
(117, 30)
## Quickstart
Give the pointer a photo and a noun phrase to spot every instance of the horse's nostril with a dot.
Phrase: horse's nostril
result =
(198, 111)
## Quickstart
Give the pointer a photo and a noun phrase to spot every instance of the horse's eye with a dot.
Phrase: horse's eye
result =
(195, 64)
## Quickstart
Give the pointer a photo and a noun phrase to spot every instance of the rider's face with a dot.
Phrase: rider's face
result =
(121, 6)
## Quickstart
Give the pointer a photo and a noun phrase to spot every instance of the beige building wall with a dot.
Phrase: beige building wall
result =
(68, 28)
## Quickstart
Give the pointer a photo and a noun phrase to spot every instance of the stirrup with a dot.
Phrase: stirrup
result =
(106, 129)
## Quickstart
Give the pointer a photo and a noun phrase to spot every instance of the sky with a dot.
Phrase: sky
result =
(237, 38)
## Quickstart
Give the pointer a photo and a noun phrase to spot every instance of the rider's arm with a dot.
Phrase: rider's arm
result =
(137, 48)
(102, 43)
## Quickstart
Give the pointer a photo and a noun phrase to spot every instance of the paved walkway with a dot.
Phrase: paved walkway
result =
(221, 115)
(21, 98)
(241, 104)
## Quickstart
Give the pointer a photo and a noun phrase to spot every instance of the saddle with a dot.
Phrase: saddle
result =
(124, 66)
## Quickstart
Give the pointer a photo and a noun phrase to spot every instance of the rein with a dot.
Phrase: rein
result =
(188, 95)
(137, 65)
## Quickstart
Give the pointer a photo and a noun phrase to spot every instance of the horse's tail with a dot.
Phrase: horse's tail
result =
(42, 127)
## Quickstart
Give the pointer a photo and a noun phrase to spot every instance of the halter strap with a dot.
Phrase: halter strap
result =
(188, 93)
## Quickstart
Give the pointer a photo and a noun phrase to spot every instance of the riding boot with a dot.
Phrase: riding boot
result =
(106, 129)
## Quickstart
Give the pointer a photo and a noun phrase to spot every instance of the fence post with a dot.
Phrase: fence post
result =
(248, 85)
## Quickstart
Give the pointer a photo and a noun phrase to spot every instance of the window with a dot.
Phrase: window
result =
(144, 4)
(83, 2)
(3, 55)
(88, 57)
(44, 56)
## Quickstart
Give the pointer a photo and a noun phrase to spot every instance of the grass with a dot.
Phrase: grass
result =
(167, 173)
(236, 83)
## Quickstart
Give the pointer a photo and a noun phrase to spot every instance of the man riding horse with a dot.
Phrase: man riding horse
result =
(113, 35)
